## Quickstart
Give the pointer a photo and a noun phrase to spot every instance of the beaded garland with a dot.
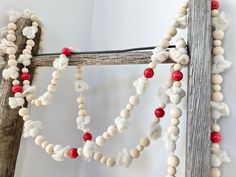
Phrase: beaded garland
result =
(173, 94)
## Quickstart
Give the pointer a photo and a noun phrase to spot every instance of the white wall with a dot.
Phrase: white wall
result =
(108, 25)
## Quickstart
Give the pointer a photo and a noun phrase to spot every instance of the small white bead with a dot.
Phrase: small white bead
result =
(11, 37)
(26, 82)
(140, 147)
(164, 43)
(38, 103)
(106, 135)
(216, 88)
(44, 144)
(54, 81)
(80, 151)
(125, 114)
(215, 13)
(11, 50)
(215, 145)
(29, 47)
(112, 130)
(100, 141)
(30, 42)
(215, 127)
(56, 75)
(23, 112)
(52, 88)
(134, 153)
(30, 97)
(35, 24)
(177, 67)
(134, 100)
(145, 141)
(174, 130)
(18, 94)
(171, 170)
(152, 65)
(218, 34)
(15, 82)
(215, 172)
(216, 79)
(217, 43)
(12, 57)
(26, 117)
(97, 156)
(110, 162)
(27, 51)
(129, 107)
(177, 84)
(39, 140)
(103, 160)
(11, 26)
(174, 122)
(175, 112)
(173, 161)
(180, 44)
(50, 149)
(81, 99)
(83, 113)
(172, 31)
(217, 96)
(218, 51)
(25, 70)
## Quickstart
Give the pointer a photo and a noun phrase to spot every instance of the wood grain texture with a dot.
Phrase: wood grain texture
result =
(199, 89)
(10, 123)
(98, 59)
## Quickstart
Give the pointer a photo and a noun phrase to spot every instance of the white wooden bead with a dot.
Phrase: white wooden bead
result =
(38, 103)
(29, 47)
(217, 96)
(134, 153)
(39, 140)
(25, 70)
(79, 76)
(52, 88)
(140, 147)
(215, 127)
(172, 31)
(171, 170)
(175, 112)
(216, 79)
(215, 172)
(180, 44)
(54, 81)
(164, 43)
(183, 11)
(110, 162)
(83, 113)
(134, 100)
(44, 144)
(174, 130)
(23, 112)
(11, 32)
(177, 67)
(145, 141)
(129, 107)
(11, 37)
(103, 160)
(152, 65)
(80, 99)
(112, 130)
(100, 141)
(34, 18)
(50, 149)
(30, 42)
(168, 37)
(106, 135)
(80, 151)
(215, 145)
(35, 24)
(217, 43)
(27, 51)
(97, 156)
(173, 161)
(66, 153)
(218, 34)
(26, 117)
(11, 26)
(26, 82)
(12, 57)
(218, 51)
(56, 75)
(81, 106)
(216, 88)
(174, 122)
(215, 13)
(177, 84)
(11, 50)
(125, 114)
(30, 97)
(15, 82)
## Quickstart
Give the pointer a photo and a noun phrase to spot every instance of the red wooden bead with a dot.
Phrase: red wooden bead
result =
(148, 73)
(215, 4)
(73, 153)
(177, 75)
(25, 76)
(87, 136)
(16, 88)
(159, 112)
(216, 137)
(66, 52)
